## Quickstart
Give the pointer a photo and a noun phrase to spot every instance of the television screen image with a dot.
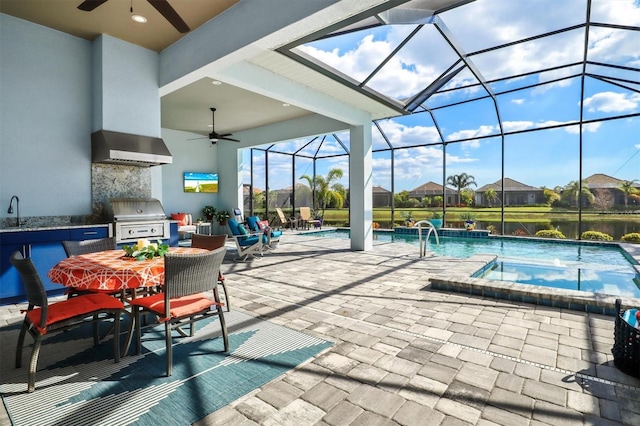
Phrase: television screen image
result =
(200, 182)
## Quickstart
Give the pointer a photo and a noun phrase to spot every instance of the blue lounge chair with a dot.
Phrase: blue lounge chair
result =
(256, 225)
(248, 244)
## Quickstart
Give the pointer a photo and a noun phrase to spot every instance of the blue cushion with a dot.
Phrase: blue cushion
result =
(249, 241)
(276, 234)
(252, 222)
(233, 226)
(242, 230)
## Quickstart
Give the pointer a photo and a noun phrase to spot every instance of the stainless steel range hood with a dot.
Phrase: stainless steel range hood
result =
(132, 150)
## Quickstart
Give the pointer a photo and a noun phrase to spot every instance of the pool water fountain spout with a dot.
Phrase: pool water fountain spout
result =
(432, 228)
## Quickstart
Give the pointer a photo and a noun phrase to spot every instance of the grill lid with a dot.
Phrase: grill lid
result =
(136, 209)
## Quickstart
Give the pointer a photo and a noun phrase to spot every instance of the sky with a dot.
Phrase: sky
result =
(549, 157)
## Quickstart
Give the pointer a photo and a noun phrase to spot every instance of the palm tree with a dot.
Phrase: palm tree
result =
(628, 187)
(571, 193)
(491, 195)
(551, 195)
(327, 192)
(461, 182)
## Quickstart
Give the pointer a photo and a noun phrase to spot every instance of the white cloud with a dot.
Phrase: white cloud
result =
(401, 135)
(471, 133)
(517, 101)
(511, 126)
(587, 127)
(612, 102)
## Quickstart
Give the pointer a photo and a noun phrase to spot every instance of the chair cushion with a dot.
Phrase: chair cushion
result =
(252, 222)
(263, 224)
(180, 306)
(276, 234)
(249, 241)
(233, 226)
(76, 306)
(180, 217)
(242, 230)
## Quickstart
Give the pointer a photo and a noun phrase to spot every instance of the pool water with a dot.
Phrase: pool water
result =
(581, 266)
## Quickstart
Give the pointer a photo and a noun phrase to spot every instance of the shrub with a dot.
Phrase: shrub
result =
(550, 233)
(595, 235)
(633, 237)
(467, 217)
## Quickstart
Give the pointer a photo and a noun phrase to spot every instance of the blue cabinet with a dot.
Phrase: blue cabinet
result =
(174, 237)
(44, 248)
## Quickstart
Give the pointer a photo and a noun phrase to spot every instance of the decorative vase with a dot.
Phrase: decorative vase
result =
(437, 223)
(469, 225)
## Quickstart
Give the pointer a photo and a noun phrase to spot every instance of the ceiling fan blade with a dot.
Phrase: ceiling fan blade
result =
(228, 139)
(170, 15)
(89, 5)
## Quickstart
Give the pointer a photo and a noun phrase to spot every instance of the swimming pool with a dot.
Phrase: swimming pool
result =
(583, 266)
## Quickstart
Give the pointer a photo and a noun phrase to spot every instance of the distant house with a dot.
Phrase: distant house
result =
(515, 194)
(381, 197)
(432, 189)
(284, 196)
(602, 185)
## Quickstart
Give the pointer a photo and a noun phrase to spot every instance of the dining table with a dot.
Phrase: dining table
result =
(111, 271)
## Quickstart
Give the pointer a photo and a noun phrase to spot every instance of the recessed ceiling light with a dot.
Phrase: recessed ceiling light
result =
(216, 82)
(286, 105)
(139, 18)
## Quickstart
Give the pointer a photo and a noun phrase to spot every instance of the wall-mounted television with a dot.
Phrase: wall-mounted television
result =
(200, 182)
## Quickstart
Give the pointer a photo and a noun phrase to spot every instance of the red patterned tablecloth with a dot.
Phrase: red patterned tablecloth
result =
(108, 270)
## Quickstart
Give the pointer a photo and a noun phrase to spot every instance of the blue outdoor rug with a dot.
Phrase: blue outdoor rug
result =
(79, 384)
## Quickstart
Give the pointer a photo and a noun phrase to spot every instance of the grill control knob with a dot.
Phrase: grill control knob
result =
(131, 232)
(153, 230)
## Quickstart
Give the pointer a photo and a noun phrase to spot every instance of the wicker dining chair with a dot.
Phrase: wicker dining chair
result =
(212, 242)
(43, 318)
(76, 248)
(187, 277)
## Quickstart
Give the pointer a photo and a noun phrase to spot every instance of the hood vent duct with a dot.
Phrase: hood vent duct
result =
(132, 150)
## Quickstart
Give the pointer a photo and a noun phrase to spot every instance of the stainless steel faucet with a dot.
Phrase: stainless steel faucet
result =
(10, 211)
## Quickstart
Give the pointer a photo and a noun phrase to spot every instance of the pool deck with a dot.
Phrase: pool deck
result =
(406, 353)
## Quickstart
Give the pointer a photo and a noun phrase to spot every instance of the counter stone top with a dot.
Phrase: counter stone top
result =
(52, 227)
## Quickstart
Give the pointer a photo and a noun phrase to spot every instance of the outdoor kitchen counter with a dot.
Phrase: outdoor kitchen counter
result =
(43, 244)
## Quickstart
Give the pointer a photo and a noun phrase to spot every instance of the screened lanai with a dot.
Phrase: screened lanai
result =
(523, 114)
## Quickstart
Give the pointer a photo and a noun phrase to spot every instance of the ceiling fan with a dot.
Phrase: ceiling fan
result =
(214, 137)
(161, 6)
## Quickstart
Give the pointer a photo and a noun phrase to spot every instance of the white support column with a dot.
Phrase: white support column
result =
(230, 168)
(360, 188)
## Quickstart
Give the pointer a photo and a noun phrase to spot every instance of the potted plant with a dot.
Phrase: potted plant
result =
(222, 216)
(209, 212)
(408, 218)
(469, 220)
(436, 219)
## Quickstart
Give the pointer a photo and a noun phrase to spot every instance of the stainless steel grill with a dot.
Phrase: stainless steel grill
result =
(135, 218)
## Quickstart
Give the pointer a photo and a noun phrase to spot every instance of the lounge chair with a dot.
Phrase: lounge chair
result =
(248, 244)
(284, 221)
(262, 226)
(306, 219)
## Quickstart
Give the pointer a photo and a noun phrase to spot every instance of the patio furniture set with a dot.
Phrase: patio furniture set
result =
(179, 289)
